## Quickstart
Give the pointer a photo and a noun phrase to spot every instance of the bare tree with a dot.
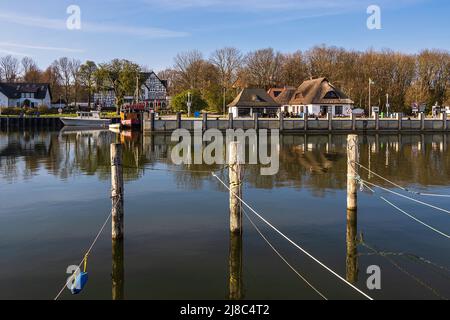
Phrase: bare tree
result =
(9, 68)
(87, 75)
(294, 69)
(74, 66)
(263, 68)
(169, 75)
(30, 70)
(189, 65)
(62, 66)
(228, 61)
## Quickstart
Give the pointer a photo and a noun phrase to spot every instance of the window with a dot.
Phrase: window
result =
(331, 95)
(27, 95)
(338, 110)
(276, 93)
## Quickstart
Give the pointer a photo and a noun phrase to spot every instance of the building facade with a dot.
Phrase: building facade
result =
(318, 97)
(251, 101)
(152, 90)
(25, 95)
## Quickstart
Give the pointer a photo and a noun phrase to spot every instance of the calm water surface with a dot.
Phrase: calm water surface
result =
(55, 189)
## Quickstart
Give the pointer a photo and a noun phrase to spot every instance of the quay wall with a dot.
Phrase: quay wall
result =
(398, 124)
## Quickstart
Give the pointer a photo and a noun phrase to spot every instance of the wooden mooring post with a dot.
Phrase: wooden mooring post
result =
(118, 271)
(352, 204)
(235, 176)
(235, 269)
(351, 265)
(352, 171)
(116, 191)
(235, 254)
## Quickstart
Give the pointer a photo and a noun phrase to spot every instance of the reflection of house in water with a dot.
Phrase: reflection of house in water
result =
(316, 160)
(25, 144)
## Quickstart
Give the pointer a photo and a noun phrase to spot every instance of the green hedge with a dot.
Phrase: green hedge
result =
(15, 111)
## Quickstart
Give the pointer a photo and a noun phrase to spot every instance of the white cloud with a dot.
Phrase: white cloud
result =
(60, 24)
(13, 53)
(27, 46)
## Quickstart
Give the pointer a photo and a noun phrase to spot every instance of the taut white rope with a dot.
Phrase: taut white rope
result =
(281, 256)
(406, 197)
(400, 187)
(414, 218)
(292, 242)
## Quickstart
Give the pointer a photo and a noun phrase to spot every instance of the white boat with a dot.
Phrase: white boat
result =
(86, 119)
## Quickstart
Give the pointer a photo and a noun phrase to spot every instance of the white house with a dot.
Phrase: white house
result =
(253, 100)
(25, 94)
(317, 97)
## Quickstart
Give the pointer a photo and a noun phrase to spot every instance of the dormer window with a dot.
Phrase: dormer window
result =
(331, 95)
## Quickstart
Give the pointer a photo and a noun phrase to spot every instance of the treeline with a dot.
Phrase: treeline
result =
(73, 81)
(215, 80)
(407, 78)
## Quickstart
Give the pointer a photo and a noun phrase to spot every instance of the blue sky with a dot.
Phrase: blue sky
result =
(152, 32)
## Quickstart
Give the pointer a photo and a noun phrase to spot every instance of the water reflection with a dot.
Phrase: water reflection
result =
(235, 268)
(352, 248)
(317, 162)
(118, 270)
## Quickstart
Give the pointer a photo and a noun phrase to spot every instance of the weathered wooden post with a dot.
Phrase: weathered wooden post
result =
(117, 274)
(205, 122)
(235, 269)
(330, 119)
(352, 172)
(178, 120)
(152, 121)
(444, 120)
(235, 257)
(230, 121)
(116, 191)
(281, 121)
(352, 248)
(399, 119)
(422, 121)
(377, 121)
(305, 119)
(353, 118)
(235, 176)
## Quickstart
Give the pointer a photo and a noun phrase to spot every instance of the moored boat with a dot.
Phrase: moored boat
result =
(131, 115)
(86, 119)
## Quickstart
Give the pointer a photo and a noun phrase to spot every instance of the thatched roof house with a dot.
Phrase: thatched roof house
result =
(250, 101)
(319, 96)
(283, 96)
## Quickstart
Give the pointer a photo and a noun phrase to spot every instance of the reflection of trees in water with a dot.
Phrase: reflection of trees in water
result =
(317, 162)
(66, 154)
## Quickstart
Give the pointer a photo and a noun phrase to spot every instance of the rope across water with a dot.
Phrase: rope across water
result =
(293, 243)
